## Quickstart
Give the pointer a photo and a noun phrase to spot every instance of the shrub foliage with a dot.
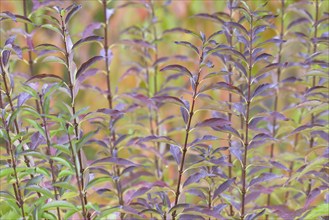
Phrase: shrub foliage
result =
(164, 109)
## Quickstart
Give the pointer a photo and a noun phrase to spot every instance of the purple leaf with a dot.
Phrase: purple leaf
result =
(261, 89)
(297, 22)
(255, 215)
(115, 160)
(224, 186)
(235, 149)
(36, 140)
(5, 56)
(259, 29)
(263, 178)
(196, 177)
(213, 122)
(42, 76)
(10, 40)
(88, 63)
(90, 29)
(188, 44)
(74, 10)
(303, 127)
(163, 139)
(324, 135)
(197, 192)
(87, 39)
(171, 99)
(263, 56)
(140, 43)
(182, 30)
(179, 68)
(279, 165)
(210, 17)
(185, 114)
(83, 76)
(176, 152)
(238, 26)
(22, 98)
(222, 85)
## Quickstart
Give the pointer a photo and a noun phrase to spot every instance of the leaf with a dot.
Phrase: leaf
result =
(53, 28)
(83, 76)
(318, 211)
(304, 127)
(42, 76)
(261, 89)
(162, 139)
(177, 67)
(176, 152)
(224, 86)
(255, 215)
(185, 114)
(72, 12)
(196, 177)
(88, 63)
(115, 160)
(86, 40)
(59, 204)
(224, 186)
(297, 22)
(171, 99)
(213, 122)
(263, 178)
(14, 17)
(140, 43)
(210, 17)
(189, 45)
(181, 30)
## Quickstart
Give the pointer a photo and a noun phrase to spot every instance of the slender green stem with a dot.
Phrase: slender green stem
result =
(84, 212)
(48, 152)
(12, 163)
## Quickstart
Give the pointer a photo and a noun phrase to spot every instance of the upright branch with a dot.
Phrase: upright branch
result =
(48, 152)
(187, 132)
(30, 60)
(10, 100)
(231, 213)
(315, 25)
(71, 89)
(12, 162)
(80, 188)
(276, 98)
(113, 149)
(246, 139)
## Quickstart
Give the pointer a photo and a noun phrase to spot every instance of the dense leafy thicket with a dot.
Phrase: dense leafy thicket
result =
(164, 109)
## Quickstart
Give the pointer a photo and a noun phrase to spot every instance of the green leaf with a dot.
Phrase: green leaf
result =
(315, 213)
(60, 204)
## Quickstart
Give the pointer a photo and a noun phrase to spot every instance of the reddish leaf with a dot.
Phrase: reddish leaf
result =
(179, 68)
(88, 63)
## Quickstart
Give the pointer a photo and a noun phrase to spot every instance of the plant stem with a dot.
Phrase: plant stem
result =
(309, 188)
(245, 156)
(274, 131)
(48, 152)
(181, 169)
(12, 163)
(75, 123)
(231, 213)
(113, 149)
(84, 212)
(7, 92)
